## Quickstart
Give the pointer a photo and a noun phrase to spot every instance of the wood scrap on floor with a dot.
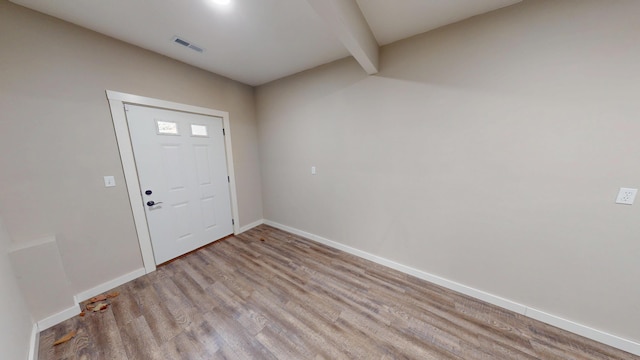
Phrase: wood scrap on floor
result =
(100, 297)
(100, 307)
(65, 338)
(99, 303)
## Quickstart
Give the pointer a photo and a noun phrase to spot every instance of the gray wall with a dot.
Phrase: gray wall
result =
(488, 152)
(57, 139)
(16, 324)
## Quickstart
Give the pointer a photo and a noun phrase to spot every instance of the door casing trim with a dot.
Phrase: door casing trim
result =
(117, 100)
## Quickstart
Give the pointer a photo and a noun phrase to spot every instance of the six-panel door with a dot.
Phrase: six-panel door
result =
(181, 163)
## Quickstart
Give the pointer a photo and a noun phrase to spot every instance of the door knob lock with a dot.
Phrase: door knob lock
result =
(153, 203)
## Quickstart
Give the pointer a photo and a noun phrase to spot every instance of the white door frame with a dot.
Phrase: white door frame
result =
(116, 103)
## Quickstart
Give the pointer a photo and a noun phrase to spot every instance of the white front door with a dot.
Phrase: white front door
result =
(181, 163)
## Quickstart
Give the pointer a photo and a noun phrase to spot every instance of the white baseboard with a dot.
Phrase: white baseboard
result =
(88, 294)
(34, 342)
(590, 333)
(250, 226)
(75, 309)
(56, 319)
(583, 330)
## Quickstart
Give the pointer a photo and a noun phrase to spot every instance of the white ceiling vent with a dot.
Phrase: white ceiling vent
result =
(188, 44)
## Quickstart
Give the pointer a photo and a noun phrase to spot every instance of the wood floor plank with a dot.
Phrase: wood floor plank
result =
(73, 349)
(138, 340)
(192, 290)
(244, 345)
(277, 347)
(184, 347)
(325, 334)
(126, 308)
(108, 342)
(203, 279)
(280, 320)
(225, 351)
(268, 294)
(161, 322)
(181, 308)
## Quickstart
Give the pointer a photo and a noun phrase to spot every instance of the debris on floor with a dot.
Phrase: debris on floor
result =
(96, 304)
(99, 303)
(65, 338)
(99, 307)
(100, 297)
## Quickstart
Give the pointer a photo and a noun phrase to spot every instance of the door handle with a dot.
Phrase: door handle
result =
(153, 203)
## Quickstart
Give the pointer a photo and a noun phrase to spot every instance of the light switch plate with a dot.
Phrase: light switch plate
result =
(109, 181)
(313, 170)
(626, 196)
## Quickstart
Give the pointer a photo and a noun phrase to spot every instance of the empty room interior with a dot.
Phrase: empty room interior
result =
(320, 179)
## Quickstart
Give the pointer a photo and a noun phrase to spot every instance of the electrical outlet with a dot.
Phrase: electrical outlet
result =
(109, 181)
(626, 196)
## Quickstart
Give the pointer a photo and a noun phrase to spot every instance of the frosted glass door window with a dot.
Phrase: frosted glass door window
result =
(199, 130)
(167, 127)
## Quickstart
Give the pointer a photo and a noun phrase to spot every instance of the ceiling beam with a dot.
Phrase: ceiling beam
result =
(345, 19)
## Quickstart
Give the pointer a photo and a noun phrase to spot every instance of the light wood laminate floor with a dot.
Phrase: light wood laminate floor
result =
(267, 294)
